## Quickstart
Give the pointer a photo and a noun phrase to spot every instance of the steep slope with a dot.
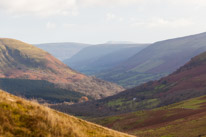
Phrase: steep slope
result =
(187, 82)
(24, 61)
(157, 60)
(19, 117)
(62, 51)
(97, 58)
(174, 120)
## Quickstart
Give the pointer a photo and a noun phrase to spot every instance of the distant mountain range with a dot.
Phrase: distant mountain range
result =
(94, 59)
(185, 83)
(19, 60)
(155, 61)
(62, 51)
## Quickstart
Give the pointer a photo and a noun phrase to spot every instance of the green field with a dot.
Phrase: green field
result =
(186, 118)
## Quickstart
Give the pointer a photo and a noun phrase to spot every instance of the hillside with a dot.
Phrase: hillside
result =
(186, 118)
(62, 51)
(43, 91)
(187, 82)
(156, 60)
(19, 117)
(94, 59)
(24, 61)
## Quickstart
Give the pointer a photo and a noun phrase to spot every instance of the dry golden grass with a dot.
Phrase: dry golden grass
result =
(19, 117)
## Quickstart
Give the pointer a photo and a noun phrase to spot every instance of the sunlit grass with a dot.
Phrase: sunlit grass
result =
(19, 117)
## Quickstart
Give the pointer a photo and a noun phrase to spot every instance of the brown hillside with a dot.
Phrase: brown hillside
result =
(21, 60)
(191, 77)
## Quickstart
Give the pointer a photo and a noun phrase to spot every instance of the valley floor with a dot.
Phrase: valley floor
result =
(183, 119)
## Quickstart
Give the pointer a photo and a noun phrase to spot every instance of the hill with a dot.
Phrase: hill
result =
(43, 91)
(19, 117)
(156, 60)
(185, 83)
(62, 51)
(25, 61)
(94, 59)
(186, 118)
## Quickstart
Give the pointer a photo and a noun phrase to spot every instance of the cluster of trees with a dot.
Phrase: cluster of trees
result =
(39, 89)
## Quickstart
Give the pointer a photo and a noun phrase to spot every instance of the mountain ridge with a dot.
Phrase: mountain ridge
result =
(157, 60)
(25, 61)
(63, 50)
(94, 59)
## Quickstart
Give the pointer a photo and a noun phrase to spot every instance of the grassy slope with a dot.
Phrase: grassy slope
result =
(157, 60)
(183, 119)
(19, 117)
(25, 61)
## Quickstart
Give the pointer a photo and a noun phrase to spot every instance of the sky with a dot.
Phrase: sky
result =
(99, 21)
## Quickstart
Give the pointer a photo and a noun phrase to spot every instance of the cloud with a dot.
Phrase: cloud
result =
(160, 22)
(163, 23)
(69, 25)
(110, 16)
(106, 2)
(194, 2)
(71, 7)
(129, 2)
(114, 17)
(54, 7)
(50, 25)
(39, 7)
